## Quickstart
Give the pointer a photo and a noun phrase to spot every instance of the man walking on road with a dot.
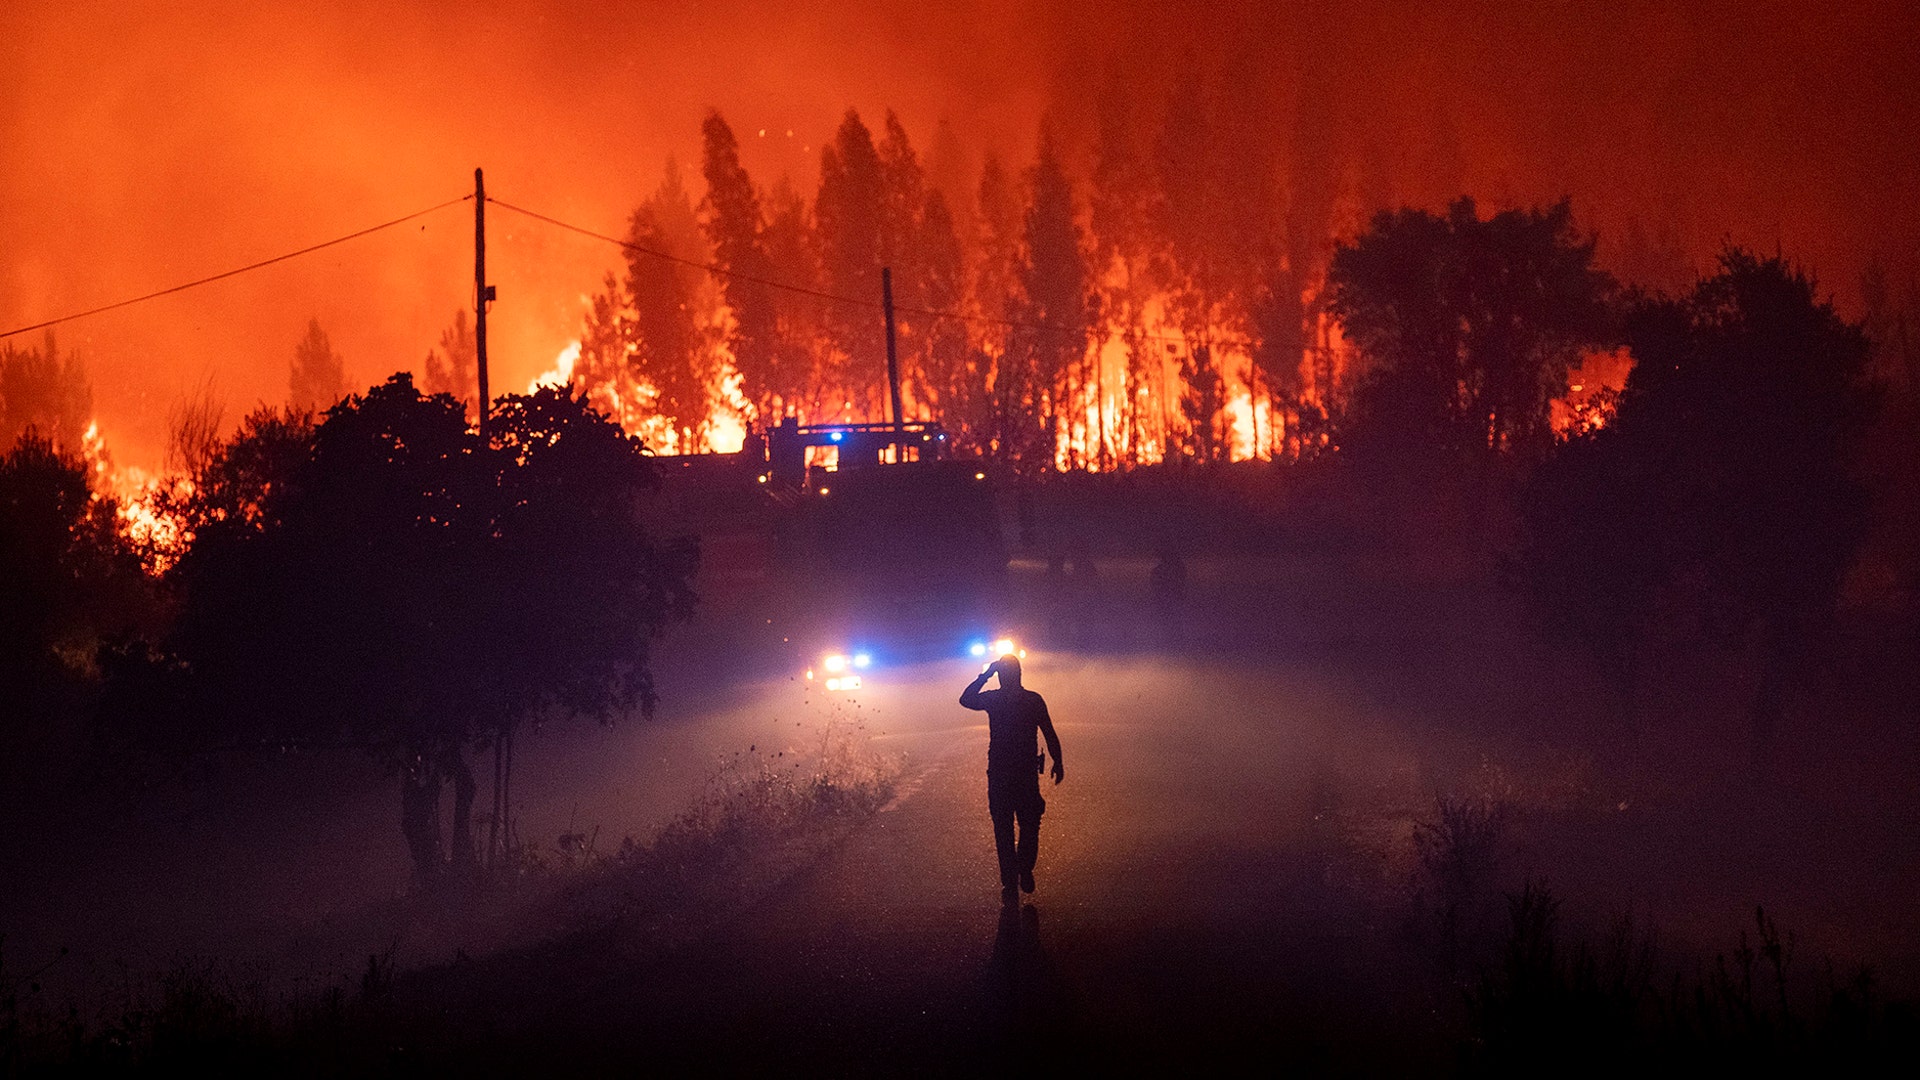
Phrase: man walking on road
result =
(1014, 715)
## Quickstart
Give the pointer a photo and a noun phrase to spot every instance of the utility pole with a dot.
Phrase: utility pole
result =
(893, 357)
(482, 294)
(499, 829)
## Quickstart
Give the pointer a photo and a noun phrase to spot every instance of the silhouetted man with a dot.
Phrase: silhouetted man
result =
(1014, 715)
(1169, 587)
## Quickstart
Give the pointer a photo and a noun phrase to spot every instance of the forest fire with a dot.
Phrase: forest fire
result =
(143, 503)
(1183, 180)
(1456, 552)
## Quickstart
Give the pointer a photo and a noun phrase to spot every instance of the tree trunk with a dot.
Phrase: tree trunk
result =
(420, 817)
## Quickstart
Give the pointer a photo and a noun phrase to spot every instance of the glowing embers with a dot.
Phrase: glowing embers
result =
(841, 670)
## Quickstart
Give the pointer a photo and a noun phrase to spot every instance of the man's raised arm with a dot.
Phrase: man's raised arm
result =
(970, 697)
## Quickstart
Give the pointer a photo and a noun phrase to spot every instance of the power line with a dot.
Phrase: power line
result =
(710, 268)
(721, 271)
(237, 270)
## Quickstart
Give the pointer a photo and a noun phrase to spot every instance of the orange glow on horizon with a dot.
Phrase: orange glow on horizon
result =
(166, 144)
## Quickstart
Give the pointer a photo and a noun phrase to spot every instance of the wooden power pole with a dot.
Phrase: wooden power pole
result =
(499, 828)
(482, 294)
(893, 356)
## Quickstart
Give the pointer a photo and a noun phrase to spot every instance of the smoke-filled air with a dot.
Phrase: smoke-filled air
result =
(521, 524)
(1196, 164)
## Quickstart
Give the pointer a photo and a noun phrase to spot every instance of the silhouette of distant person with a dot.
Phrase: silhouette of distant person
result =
(1057, 597)
(1015, 715)
(1168, 583)
(1084, 585)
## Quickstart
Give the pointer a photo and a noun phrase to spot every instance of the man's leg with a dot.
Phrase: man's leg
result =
(999, 808)
(1028, 851)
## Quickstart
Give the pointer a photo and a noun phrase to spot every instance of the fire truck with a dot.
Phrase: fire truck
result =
(893, 549)
(872, 543)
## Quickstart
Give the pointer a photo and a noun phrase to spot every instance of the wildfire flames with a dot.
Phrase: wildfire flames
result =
(1323, 120)
(140, 502)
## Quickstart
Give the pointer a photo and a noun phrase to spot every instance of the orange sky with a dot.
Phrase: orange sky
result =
(146, 144)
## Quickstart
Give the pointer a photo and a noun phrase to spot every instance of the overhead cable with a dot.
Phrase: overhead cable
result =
(237, 270)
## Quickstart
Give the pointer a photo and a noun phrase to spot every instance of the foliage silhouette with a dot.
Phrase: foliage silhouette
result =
(1725, 492)
(1586, 1007)
(382, 579)
(1470, 324)
(67, 580)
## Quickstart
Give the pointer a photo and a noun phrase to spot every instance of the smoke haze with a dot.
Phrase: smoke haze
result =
(147, 144)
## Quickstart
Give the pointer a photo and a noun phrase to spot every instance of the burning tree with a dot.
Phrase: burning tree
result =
(1186, 311)
(1049, 340)
(996, 293)
(649, 355)
(42, 391)
(318, 377)
(671, 304)
(848, 222)
(795, 258)
(732, 220)
(944, 379)
(453, 368)
(1125, 264)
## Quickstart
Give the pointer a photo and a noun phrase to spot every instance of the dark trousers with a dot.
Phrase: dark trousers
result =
(1015, 797)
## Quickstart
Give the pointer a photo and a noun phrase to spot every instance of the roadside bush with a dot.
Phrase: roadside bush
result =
(1600, 1008)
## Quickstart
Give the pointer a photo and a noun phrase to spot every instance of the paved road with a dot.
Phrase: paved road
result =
(1189, 906)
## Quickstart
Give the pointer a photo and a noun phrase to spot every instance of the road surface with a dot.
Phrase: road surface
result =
(1193, 905)
(1229, 869)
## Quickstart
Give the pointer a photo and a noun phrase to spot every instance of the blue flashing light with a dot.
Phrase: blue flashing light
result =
(978, 648)
(837, 436)
(861, 660)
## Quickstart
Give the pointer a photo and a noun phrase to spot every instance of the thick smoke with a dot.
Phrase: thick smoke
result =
(146, 144)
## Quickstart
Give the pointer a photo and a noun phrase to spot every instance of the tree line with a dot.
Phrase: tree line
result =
(374, 577)
(1041, 324)
(1180, 302)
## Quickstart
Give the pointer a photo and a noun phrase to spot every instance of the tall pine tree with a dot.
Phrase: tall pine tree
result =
(318, 378)
(849, 216)
(730, 216)
(1052, 339)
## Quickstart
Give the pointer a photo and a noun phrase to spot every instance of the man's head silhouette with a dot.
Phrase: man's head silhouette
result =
(1009, 668)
